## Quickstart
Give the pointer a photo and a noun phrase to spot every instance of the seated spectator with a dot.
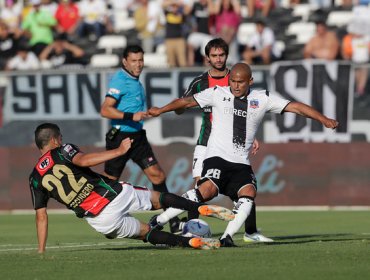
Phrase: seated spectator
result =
(356, 48)
(262, 6)
(67, 16)
(23, 60)
(8, 44)
(324, 44)
(260, 47)
(38, 25)
(94, 19)
(11, 15)
(61, 53)
(149, 23)
(175, 41)
(201, 34)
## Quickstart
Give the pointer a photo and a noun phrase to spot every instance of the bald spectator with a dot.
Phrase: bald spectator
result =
(324, 44)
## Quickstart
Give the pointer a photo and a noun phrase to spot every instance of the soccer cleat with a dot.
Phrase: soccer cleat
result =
(176, 225)
(154, 224)
(204, 243)
(227, 242)
(256, 237)
(215, 211)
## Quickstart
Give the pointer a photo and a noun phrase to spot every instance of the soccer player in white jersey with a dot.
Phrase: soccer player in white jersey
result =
(237, 113)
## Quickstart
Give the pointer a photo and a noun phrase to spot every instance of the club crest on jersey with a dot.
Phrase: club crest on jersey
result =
(254, 104)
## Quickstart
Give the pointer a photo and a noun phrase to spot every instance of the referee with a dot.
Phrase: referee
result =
(125, 105)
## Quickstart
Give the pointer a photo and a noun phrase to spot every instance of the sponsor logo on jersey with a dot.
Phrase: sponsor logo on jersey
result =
(207, 109)
(44, 164)
(227, 99)
(254, 104)
(70, 150)
(237, 112)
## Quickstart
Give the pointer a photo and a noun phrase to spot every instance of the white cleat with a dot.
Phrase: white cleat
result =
(256, 237)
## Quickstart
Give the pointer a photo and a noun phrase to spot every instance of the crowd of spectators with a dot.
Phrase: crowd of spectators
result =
(50, 32)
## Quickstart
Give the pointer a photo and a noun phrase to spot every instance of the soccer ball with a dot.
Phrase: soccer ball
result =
(196, 228)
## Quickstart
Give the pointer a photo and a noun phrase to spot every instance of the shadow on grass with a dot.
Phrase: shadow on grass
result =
(312, 238)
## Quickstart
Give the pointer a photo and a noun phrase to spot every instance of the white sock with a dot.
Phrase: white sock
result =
(170, 213)
(242, 210)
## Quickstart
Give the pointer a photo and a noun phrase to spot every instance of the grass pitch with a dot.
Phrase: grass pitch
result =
(308, 245)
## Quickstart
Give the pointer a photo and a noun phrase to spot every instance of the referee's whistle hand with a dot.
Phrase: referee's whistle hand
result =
(139, 116)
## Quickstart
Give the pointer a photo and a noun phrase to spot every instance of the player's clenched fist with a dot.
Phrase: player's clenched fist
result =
(330, 123)
(154, 111)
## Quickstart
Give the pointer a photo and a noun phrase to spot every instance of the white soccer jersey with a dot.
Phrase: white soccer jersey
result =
(235, 121)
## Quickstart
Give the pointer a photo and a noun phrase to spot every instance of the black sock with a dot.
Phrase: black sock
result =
(175, 201)
(195, 214)
(250, 222)
(162, 187)
(162, 237)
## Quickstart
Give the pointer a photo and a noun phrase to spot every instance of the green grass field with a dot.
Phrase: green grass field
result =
(308, 245)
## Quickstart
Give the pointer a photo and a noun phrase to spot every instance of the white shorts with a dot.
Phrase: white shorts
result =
(115, 220)
(199, 156)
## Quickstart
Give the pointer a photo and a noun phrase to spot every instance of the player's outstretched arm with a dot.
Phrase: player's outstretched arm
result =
(309, 112)
(92, 159)
(180, 103)
(42, 228)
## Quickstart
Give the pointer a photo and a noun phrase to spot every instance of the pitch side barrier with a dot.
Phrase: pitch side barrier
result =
(300, 163)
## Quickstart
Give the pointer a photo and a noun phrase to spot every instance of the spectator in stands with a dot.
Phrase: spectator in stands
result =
(8, 44)
(260, 47)
(94, 19)
(23, 60)
(49, 5)
(175, 14)
(123, 5)
(356, 48)
(226, 23)
(149, 23)
(201, 34)
(61, 53)
(262, 6)
(11, 15)
(67, 16)
(324, 44)
(227, 19)
(38, 25)
(321, 4)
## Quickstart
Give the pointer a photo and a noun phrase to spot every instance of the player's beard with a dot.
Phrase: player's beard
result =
(222, 68)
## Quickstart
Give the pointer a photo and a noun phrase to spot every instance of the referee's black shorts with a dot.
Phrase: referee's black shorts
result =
(140, 152)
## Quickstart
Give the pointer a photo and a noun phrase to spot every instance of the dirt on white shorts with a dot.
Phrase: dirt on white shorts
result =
(199, 156)
(115, 220)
